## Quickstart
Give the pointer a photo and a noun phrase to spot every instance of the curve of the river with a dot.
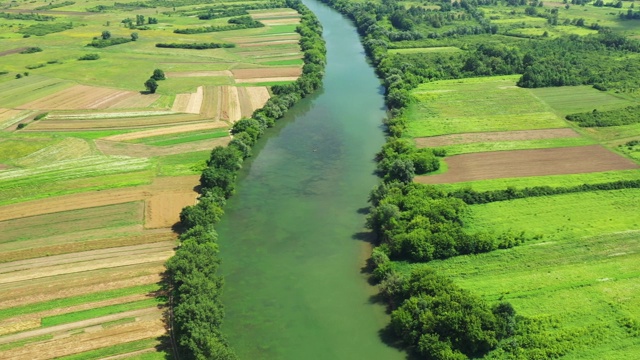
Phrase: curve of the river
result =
(291, 237)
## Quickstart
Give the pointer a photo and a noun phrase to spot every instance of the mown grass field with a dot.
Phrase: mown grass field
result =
(86, 232)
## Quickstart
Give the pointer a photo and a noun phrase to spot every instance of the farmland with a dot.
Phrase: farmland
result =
(95, 169)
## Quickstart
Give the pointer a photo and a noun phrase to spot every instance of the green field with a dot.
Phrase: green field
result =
(181, 138)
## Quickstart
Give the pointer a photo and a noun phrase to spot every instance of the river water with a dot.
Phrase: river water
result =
(291, 238)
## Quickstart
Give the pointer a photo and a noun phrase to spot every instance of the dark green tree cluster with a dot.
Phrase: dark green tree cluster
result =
(438, 320)
(400, 160)
(211, 13)
(106, 39)
(595, 118)
(420, 223)
(30, 16)
(195, 46)
(195, 284)
(242, 22)
(152, 83)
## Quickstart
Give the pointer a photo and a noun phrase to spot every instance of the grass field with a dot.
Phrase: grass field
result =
(580, 277)
(86, 203)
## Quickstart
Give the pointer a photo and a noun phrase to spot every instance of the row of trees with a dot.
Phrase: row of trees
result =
(195, 46)
(237, 23)
(195, 284)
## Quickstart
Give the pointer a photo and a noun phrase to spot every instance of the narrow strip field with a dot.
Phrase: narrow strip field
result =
(469, 138)
(506, 164)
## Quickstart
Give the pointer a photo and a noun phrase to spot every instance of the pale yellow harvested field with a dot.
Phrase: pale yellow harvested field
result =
(47, 289)
(90, 97)
(267, 43)
(163, 210)
(95, 199)
(181, 102)
(168, 130)
(120, 123)
(243, 74)
(180, 74)
(273, 14)
(258, 95)
(146, 151)
(282, 21)
(85, 261)
(149, 324)
(195, 101)
(245, 102)
(230, 104)
(211, 103)
(266, 79)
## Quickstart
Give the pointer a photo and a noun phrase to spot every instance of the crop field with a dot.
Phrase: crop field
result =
(94, 170)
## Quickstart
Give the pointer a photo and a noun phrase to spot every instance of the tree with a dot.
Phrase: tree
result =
(158, 75)
(134, 36)
(151, 85)
(106, 35)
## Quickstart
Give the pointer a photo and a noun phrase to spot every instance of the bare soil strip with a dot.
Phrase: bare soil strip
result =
(180, 74)
(518, 135)
(64, 286)
(89, 97)
(96, 198)
(12, 51)
(266, 72)
(266, 79)
(167, 130)
(163, 210)
(146, 151)
(159, 252)
(521, 163)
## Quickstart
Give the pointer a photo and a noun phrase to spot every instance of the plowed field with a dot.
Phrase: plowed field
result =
(507, 164)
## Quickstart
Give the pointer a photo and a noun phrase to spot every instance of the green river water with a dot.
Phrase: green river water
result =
(291, 238)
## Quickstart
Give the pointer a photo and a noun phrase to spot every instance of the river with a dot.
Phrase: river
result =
(291, 238)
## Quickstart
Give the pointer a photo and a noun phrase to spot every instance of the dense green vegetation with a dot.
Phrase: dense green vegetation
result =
(196, 287)
(195, 46)
(418, 225)
(626, 116)
(237, 23)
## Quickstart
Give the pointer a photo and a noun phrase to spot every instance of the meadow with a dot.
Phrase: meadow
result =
(94, 170)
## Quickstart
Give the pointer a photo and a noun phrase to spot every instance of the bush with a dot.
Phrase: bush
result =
(31, 50)
(91, 56)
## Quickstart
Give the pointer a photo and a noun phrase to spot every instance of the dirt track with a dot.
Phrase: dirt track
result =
(469, 138)
(520, 163)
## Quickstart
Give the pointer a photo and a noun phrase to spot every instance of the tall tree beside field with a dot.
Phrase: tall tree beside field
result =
(151, 85)
(106, 35)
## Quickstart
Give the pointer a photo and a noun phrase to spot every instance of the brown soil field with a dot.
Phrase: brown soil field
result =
(140, 150)
(266, 79)
(96, 198)
(12, 51)
(75, 284)
(90, 97)
(73, 243)
(469, 138)
(167, 130)
(521, 163)
(179, 74)
(266, 72)
(114, 124)
(85, 261)
(163, 210)
(229, 104)
(150, 324)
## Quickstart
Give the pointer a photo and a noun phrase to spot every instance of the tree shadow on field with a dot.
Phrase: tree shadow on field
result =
(167, 343)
